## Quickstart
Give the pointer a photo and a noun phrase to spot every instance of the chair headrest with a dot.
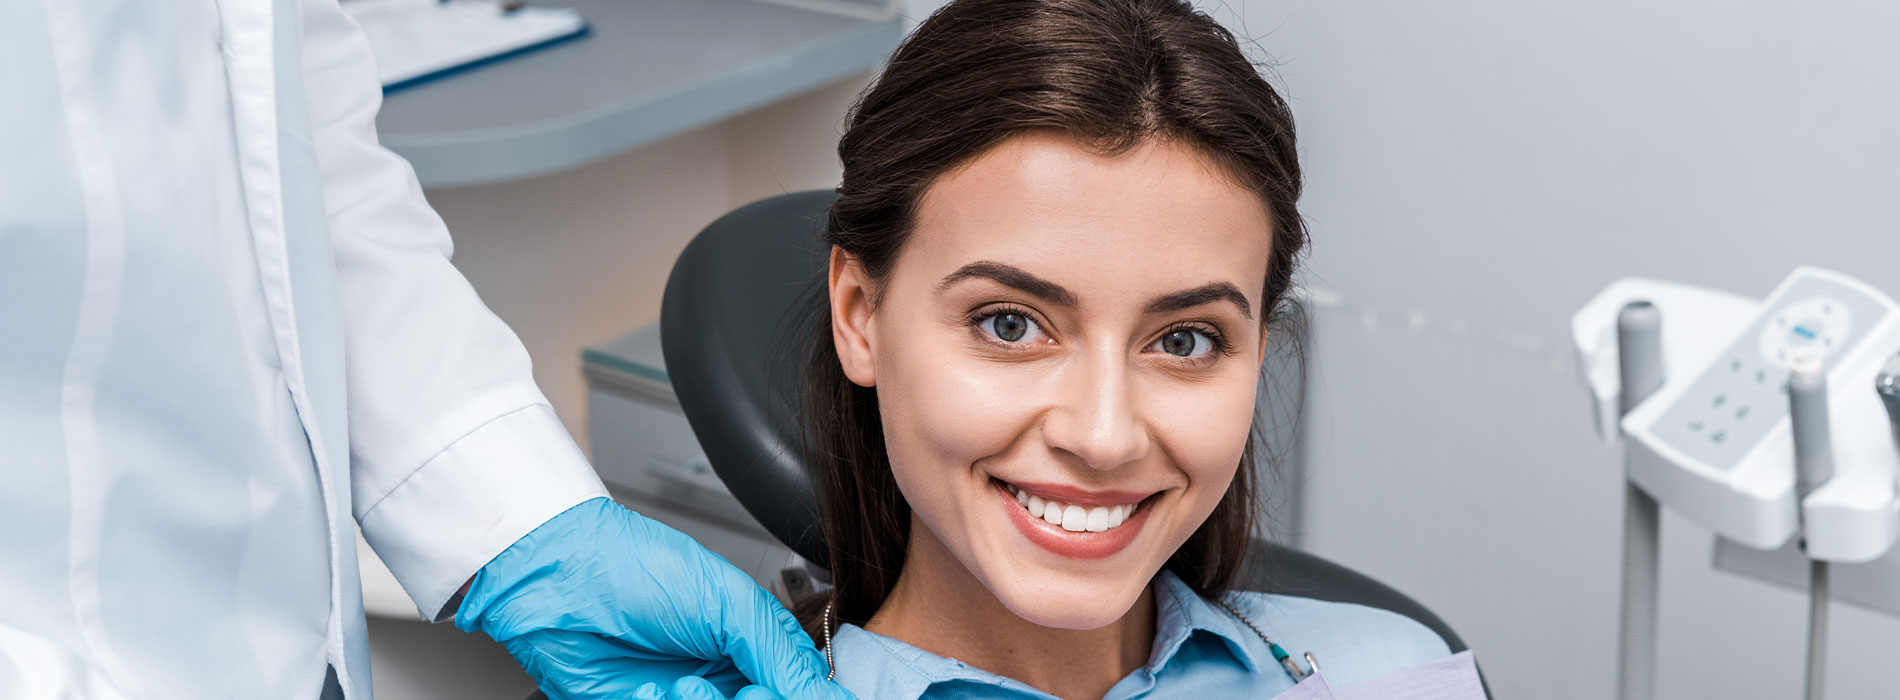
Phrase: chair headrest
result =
(735, 337)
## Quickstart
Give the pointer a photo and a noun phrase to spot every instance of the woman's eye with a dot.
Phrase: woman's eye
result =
(1184, 342)
(1010, 327)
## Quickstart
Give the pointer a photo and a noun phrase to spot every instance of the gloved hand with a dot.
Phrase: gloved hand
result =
(696, 688)
(601, 601)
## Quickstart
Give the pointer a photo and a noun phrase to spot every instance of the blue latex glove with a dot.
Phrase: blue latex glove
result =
(695, 688)
(601, 602)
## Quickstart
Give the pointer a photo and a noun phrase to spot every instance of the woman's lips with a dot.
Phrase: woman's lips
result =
(1062, 542)
(1078, 496)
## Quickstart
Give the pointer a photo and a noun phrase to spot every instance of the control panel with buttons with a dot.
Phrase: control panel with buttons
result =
(1733, 406)
(1715, 442)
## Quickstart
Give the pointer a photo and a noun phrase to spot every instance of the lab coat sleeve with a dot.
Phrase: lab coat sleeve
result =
(455, 454)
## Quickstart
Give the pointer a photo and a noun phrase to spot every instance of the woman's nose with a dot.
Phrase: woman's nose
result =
(1095, 417)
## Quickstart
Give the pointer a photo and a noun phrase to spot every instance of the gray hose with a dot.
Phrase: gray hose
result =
(1813, 466)
(1639, 354)
(1817, 627)
(1807, 413)
(1642, 526)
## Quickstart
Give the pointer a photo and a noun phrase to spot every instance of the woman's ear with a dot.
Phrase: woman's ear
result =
(851, 327)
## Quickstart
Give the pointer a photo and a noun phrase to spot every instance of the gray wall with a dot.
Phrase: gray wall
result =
(1479, 169)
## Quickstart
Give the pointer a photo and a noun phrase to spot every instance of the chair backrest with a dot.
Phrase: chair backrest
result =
(734, 330)
(730, 328)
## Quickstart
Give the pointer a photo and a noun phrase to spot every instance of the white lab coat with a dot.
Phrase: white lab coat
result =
(228, 326)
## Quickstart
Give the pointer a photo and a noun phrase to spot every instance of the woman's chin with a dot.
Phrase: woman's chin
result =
(1071, 604)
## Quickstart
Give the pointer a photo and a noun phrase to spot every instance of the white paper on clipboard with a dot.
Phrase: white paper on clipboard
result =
(417, 40)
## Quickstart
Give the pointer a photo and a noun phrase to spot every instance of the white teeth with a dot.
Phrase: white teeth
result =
(1074, 518)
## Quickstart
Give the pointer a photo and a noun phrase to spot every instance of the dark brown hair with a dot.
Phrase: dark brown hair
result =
(1109, 73)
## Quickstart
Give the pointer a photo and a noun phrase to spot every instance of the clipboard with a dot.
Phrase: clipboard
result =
(420, 41)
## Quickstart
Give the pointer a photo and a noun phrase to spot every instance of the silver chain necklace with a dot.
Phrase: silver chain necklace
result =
(1286, 660)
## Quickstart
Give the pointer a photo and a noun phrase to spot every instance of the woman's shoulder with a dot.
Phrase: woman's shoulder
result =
(1352, 642)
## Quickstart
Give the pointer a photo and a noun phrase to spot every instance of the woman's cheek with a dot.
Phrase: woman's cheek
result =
(963, 409)
(1204, 429)
(942, 414)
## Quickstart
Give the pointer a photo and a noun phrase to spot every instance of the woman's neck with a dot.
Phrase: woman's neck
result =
(938, 606)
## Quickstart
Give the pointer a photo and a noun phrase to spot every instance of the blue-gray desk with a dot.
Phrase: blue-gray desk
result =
(650, 69)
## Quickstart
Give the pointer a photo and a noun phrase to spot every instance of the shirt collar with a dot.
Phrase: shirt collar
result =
(1181, 615)
(873, 665)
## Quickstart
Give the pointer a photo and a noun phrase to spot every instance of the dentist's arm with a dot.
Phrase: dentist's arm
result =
(460, 469)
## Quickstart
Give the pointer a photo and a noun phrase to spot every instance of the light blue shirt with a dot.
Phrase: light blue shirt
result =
(1200, 651)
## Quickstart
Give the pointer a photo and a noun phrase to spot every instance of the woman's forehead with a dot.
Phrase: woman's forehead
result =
(1155, 218)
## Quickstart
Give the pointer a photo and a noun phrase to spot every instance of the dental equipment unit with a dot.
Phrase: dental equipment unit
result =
(1753, 419)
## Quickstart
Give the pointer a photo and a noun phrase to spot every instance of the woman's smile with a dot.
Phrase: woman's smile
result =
(1074, 522)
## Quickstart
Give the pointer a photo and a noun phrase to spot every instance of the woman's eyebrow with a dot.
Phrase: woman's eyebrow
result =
(1020, 279)
(1204, 294)
(1013, 277)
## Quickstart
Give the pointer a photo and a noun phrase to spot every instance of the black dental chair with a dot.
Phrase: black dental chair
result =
(732, 332)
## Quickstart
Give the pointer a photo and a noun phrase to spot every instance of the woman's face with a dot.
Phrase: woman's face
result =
(1065, 355)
